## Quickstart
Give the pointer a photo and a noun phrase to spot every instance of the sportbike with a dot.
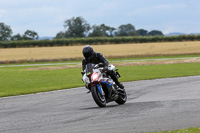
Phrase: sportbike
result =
(101, 85)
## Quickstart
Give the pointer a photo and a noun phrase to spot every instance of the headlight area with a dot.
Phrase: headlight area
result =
(94, 77)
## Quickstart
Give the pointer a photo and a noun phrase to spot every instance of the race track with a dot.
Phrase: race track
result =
(153, 105)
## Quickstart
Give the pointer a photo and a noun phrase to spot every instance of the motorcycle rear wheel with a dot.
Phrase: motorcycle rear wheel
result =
(122, 97)
(98, 97)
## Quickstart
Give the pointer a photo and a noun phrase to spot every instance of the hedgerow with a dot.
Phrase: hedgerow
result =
(96, 41)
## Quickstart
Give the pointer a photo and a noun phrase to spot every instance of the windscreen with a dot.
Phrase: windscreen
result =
(89, 69)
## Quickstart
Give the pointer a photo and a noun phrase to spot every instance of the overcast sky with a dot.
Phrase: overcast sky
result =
(47, 17)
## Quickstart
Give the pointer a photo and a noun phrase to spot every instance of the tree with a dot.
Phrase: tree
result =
(5, 32)
(16, 37)
(155, 33)
(60, 35)
(98, 31)
(101, 31)
(126, 30)
(111, 30)
(30, 35)
(142, 32)
(76, 27)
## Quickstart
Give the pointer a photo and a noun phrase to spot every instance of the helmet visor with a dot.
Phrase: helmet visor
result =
(88, 54)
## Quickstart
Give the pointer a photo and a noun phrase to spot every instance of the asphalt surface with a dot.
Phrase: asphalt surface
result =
(152, 105)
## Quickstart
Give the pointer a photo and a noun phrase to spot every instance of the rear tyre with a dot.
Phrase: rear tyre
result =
(98, 97)
(122, 96)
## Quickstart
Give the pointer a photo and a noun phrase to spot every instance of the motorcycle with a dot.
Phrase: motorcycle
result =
(101, 85)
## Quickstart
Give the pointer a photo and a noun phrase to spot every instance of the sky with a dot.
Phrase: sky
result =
(47, 17)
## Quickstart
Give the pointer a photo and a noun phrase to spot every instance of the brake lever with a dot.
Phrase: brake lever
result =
(82, 72)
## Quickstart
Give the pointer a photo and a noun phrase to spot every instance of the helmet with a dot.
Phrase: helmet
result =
(87, 51)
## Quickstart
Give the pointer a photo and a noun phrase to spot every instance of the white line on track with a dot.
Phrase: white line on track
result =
(49, 64)
(157, 59)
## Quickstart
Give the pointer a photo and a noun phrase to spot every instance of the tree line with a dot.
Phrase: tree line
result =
(78, 27)
(6, 34)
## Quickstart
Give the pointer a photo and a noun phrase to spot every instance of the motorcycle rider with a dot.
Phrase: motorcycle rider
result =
(95, 57)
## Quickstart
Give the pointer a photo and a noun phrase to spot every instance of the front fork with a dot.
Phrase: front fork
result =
(108, 86)
(100, 89)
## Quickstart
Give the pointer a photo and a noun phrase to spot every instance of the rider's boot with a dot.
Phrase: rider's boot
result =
(118, 83)
(115, 79)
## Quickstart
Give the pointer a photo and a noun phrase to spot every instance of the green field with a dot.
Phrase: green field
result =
(189, 130)
(21, 80)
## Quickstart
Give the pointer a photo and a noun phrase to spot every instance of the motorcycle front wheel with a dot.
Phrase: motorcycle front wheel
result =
(98, 97)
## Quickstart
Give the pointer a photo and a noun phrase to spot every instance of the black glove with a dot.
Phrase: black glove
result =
(82, 72)
(105, 69)
(101, 65)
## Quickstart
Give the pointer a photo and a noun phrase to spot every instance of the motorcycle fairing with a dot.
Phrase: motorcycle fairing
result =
(106, 83)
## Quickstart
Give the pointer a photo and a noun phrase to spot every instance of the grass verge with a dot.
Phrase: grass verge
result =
(189, 130)
(111, 60)
(20, 80)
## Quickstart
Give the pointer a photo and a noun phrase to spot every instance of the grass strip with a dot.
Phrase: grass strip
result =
(189, 130)
(20, 80)
(111, 60)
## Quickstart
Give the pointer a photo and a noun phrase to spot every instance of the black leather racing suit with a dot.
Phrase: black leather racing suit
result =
(97, 58)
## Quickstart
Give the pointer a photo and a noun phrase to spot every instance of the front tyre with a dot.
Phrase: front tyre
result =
(98, 97)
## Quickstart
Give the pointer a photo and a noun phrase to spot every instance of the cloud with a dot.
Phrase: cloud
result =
(40, 16)
(47, 16)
